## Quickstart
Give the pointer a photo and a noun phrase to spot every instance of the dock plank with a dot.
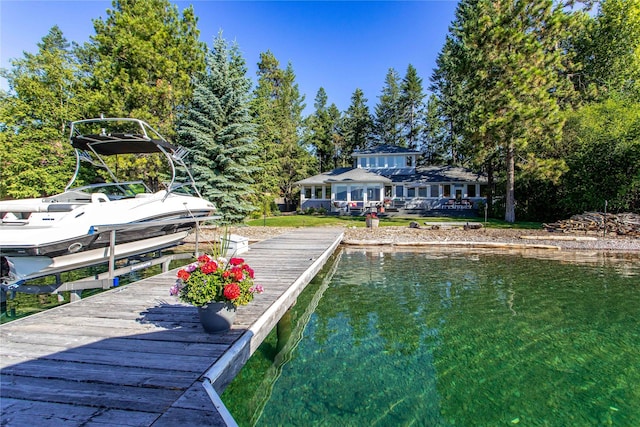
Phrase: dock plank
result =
(134, 356)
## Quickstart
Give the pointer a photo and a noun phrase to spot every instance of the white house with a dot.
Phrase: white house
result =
(387, 176)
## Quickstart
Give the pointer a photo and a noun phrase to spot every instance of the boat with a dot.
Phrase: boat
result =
(88, 224)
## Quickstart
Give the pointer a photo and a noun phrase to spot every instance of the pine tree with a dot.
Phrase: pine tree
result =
(506, 57)
(388, 117)
(277, 108)
(142, 60)
(357, 127)
(434, 134)
(218, 130)
(411, 108)
(322, 128)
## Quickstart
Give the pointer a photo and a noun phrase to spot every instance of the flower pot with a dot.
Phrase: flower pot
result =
(217, 316)
(372, 222)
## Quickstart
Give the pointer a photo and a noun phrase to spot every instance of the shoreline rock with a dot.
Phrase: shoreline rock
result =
(450, 235)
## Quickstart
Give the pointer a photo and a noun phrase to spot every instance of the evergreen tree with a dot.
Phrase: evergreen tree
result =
(322, 128)
(218, 130)
(434, 135)
(36, 158)
(508, 57)
(411, 108)
(142, 60)
(277, 108)
(357, 127)
(388, 115)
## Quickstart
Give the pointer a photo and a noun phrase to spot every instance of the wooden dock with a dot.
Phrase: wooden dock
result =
(135, 356)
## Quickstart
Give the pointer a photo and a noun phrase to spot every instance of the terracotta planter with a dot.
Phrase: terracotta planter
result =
(217, 317)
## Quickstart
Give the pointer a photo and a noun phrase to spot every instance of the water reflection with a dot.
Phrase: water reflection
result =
(450, 337)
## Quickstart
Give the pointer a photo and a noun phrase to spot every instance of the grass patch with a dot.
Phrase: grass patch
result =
(359, 221)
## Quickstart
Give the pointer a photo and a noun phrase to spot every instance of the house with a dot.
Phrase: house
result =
(387, 176)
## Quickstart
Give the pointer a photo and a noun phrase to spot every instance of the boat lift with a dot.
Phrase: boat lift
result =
(148, 257)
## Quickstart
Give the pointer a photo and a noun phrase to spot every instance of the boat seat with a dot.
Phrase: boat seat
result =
(62, 207)
(99, 198)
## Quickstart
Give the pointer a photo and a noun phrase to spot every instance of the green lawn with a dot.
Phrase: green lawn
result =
(359, 221)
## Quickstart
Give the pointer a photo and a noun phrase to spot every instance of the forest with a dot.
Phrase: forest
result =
(542, 96)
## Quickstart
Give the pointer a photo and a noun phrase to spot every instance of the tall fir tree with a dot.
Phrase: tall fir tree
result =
(142, 59)
(434, 135)
(357, 128)
(411, 106)
(321, 129)
(36, 158)
(388, 116)
(507, 56)
(277, 109)
(219, 132)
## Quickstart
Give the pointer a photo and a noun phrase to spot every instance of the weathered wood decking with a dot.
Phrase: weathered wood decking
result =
(134, 356)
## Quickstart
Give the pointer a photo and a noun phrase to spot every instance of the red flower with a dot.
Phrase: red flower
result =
(204, 258)
(209, 267)
(249, 270)
(183, 275)
(231, 291)
(237, 274)
(236, 261)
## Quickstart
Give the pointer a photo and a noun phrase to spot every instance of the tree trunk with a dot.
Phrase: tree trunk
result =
(490, 185)
(510, 205)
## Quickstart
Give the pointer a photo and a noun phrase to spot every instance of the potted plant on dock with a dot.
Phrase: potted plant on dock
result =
(216, 286)
(372, 220)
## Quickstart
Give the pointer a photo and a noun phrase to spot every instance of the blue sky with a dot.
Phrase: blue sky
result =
(338, 45)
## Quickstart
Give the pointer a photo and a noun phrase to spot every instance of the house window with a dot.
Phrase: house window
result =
(319, 192)
(381, 162)
(411, 192)
(372, 162)
(471, 191)
(399, 191)
(357, 194)
(388, 191)
(409, 161)
(484, 191)
(341, 192)
(307, 192)
(363, 162)
(435, 191)
(373, 194)
(422, 191)
(446, 190)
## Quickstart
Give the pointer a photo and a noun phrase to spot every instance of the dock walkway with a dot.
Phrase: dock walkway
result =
(134, 356)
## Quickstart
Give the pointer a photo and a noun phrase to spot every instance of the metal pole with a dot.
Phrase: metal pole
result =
(112, 255)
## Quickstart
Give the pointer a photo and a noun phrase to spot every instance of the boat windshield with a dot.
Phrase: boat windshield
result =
(116, 191)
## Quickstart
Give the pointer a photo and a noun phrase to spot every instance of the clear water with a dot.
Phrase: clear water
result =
(452, 339)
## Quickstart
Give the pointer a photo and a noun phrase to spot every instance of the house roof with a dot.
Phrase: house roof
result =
(384, 150)
(345, 175)
(439, 174)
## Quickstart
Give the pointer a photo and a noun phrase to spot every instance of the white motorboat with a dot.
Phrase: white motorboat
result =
(42, 236)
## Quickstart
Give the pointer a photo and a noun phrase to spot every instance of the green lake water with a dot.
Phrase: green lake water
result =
(450, 338)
